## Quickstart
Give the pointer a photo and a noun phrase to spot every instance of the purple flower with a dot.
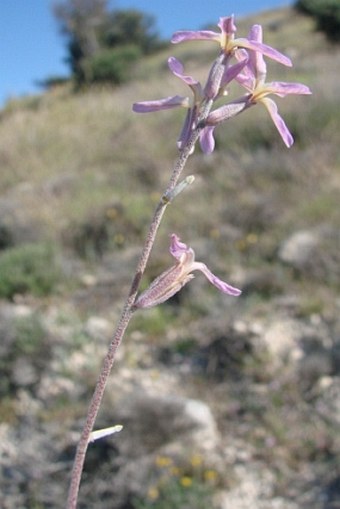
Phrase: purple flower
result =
(227, 40)
(249, 71)
(173, 279)
(253, 77)
(176, 67)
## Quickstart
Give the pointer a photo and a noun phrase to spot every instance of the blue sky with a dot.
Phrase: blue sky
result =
(32, 49)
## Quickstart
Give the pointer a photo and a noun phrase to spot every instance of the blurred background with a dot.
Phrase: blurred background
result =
(226, 403)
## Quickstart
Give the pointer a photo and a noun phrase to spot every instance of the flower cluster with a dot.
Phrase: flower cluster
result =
(240, 60)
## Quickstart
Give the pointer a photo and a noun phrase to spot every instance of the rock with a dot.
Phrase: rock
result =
(307, 347)
(88, 280)
(153, 421)
(299, 248)
(281, 339)
(98, 328)
(315, 253)
(24, 373)
(154, 426)
(255, 489)
(328, 403)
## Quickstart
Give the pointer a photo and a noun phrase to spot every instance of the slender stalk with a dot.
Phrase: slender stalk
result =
(123, 323)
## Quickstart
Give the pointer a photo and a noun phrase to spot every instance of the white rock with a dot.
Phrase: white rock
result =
(97, 327)
(281, 338)
(297, 249)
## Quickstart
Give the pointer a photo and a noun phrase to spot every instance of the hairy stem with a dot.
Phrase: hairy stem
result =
(122, 325)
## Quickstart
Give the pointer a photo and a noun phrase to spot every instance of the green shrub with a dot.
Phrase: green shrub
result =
(30, 268)
(30, 336)
(326, 14)
(91, 30)
(111, 65)
(131, 26)
(25, 343)
(6, 239)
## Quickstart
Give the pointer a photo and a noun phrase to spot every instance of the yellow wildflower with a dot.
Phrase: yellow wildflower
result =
(153, 493)
(163, 461)
(186, 481)
(196, 460)
(210, 475)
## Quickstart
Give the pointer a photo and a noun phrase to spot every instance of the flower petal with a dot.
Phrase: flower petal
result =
(268, 51)
(278, 121)
(176, 67)
(227, 25)
(161, 104)
(233, 71)
(247, 76)
(190, 35)
(178, 248)
(207, 141)
(281, 88)
(217, 282)
(257, 65)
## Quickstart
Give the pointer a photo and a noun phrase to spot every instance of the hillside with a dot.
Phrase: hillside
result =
(241, 395)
